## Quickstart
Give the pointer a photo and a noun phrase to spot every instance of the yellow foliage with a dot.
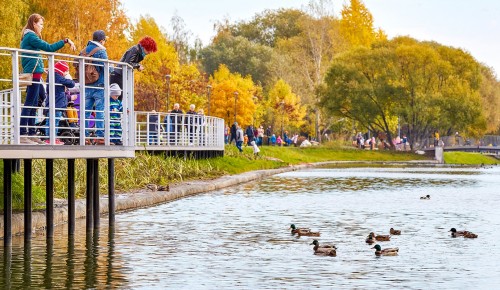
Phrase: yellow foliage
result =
(287, 105)
(232, 97)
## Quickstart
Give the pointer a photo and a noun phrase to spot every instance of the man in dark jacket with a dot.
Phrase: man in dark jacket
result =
(269, 133)
(134, 56)
(250, 133)
(233, 132)
(173, 124)
(153, 128)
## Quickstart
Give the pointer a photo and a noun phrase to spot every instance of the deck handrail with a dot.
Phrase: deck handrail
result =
(11, 99)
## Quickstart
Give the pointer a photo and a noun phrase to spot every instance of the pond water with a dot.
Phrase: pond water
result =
(238, 238)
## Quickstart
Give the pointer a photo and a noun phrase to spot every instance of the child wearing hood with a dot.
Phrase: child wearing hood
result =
(62, 80)
(115, 116)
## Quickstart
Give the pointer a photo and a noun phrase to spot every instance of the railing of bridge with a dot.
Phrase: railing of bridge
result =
(136, 130)
(158, 130)
(40, 117)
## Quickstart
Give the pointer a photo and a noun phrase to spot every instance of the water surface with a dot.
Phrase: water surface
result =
(238, 238)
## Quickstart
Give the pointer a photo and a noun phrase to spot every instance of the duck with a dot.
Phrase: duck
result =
(381, 238)
(370, 240)
(324, 250)
(385, 252)
(303, 231)
(470, 235)
(425, 197)
(394, 232)
(455, 233)
(295, 230)
(155, 187)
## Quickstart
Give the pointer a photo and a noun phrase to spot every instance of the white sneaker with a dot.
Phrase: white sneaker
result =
(27, 141)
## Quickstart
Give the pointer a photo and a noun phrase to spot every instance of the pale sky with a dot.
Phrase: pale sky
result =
(471, 25)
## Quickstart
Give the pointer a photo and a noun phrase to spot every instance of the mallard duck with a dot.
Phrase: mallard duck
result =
(370, 240)
(470, 235)
(425, 197)
(325, 250)
(385, 252)
(394, 232)
(455, 233)
(295, 230)
(381, 238)
(303, 231)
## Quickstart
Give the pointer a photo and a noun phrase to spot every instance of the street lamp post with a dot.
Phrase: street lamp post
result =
(209, 91)
(235, 101)
(168, 91)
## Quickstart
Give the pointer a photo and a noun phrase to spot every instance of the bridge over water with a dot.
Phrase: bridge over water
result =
(179, 134)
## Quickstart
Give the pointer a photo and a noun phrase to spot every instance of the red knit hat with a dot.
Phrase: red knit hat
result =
(61, 67)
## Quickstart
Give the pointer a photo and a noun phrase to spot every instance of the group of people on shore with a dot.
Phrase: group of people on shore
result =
(32, 63)
(256, 137)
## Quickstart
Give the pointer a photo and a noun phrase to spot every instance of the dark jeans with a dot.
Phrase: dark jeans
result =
(33, 93)
(238, 145)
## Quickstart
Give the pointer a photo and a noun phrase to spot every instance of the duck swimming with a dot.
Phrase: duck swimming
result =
(382, 238)
(324, 250)
(385, 252)
(425, 197)
(455, 233)
(370, 239)
(394, 232)
(303, 231)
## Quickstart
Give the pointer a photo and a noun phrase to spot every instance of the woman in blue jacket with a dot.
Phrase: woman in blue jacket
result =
(31, 39)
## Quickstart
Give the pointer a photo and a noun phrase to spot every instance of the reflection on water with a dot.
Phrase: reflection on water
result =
(64, 262)
(237, 238)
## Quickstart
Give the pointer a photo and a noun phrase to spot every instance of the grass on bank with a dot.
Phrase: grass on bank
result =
(469, 158)
(135, 173)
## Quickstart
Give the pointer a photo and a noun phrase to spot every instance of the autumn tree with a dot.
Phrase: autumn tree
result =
(356, 24)
(232, 97)
(239, 55)
(286, 107)
(428, 86)
(12, 19)
(80, 19)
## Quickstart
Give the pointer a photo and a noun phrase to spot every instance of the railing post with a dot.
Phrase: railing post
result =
(130, 100)
(16, 99)
(107, 113)
(81, 80)
(52, 102)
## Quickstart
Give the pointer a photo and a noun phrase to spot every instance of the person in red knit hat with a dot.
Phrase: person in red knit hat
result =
(134, 56)
(62, 81)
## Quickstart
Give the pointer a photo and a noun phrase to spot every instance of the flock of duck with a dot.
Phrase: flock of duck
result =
(331, 250)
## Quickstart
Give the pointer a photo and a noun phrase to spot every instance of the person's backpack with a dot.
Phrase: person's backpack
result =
(91, 73)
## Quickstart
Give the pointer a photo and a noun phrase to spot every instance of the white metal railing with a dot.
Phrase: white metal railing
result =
(139, 129)
(41, 118)
(178, 130)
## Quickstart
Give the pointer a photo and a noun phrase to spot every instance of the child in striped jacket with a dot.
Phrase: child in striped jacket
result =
(116, 109)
